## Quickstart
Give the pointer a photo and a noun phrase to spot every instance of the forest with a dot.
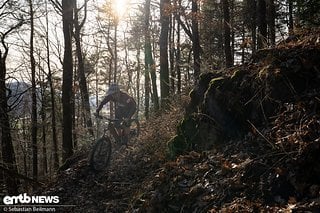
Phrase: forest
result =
(227, 94)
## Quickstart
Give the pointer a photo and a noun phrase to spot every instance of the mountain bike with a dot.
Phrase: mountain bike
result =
(102, 149)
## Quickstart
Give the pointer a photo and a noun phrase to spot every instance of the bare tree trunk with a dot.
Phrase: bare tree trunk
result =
(155, 96)
(128, 69)
(271, 22)
(152, 66)
(193, 35)
(53, 105)
(195, 40)
(262, 24)
(252, 8)
(75, 116)
(115, 53)
(8, 155)
(81, 70)
(227, 34)
(178, 56)
(171, 54)
(290, 24)
(147, 58)
(24, 146)
(67, 92)
(232, 15)
(164, 65)
(149, 66)
(34, 116)
(243, 34)
(147, 93)
(138, 80)
(44, 136)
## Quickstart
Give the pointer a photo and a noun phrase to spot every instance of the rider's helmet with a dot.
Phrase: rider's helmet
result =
(113, 88)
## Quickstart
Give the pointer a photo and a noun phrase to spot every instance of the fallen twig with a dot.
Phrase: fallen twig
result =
(266, 139)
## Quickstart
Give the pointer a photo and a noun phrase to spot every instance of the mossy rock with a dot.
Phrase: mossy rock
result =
(197, 94)
(177, 146)
(195, 132)
(216, 82)
(186, 133)
(189, 128)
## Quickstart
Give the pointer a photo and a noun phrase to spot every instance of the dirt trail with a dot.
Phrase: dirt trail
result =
(117, 189)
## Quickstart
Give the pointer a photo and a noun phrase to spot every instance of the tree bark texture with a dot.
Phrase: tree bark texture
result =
(262, 24)
(227, 34)
(195, 40)
(164, 64)
(8, 154)
(34, 116)
(81, 72)
(67, 90)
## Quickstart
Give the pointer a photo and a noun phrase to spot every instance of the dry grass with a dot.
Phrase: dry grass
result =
(160, 128)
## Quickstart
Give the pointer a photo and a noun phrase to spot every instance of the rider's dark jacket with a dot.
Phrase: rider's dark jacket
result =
(125, 105)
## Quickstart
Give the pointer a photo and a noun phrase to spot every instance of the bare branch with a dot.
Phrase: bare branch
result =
(3, 36)
(85, 14)
(2, 6)
(57, 6)
(183, 25)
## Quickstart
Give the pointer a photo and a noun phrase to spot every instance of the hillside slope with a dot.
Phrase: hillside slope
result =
(260, 125)
(250, 141)
(116, 190)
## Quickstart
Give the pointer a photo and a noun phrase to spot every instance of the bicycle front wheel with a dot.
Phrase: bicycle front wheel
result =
(101, 154)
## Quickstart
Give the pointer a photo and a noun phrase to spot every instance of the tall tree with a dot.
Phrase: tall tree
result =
(116, 22)
(271, 21)
(8, 154)
(147, 58)
(81, 68)
(164, 65)
(171, 53)
(149, 64)
(34, 116)
(262, 24)
(177, 4)
(195, 39)
(67, 90)
(152, 67)
(251, 8)
(178, 60)
(138, 77)
(193, 34)
(52, 100)
(290, 22)
(227, 33)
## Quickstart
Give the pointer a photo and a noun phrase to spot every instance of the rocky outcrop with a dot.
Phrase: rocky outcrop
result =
(227, 105)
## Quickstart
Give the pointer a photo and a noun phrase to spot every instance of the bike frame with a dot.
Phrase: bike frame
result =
(117, 133)
(102, 149)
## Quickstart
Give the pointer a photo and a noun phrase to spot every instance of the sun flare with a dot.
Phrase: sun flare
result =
(120, 7)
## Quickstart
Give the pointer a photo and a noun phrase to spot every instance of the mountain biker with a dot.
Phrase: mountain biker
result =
(125, 107)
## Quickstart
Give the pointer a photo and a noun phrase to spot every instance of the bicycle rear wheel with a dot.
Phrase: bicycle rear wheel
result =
(101, 154)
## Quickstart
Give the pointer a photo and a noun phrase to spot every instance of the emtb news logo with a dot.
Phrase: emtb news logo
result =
(25, 199)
